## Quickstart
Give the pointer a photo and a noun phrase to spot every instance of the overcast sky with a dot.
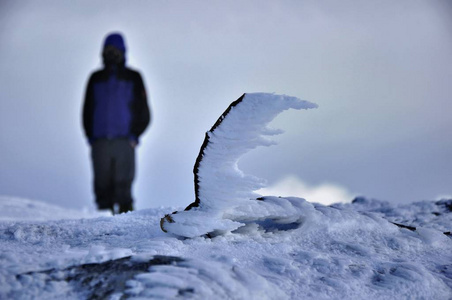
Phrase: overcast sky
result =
(380, 71)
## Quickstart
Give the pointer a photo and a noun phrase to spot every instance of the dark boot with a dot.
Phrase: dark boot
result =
(123, 208)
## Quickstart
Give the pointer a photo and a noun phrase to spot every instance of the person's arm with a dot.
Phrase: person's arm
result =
(140, 110)
(88, 108)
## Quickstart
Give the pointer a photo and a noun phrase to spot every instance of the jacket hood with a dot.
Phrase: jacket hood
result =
(115, 39)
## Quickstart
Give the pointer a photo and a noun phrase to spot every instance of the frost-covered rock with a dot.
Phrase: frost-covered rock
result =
(223, 193)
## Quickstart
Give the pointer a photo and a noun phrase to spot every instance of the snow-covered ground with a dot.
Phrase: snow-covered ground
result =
(340, 251)
(241, 246)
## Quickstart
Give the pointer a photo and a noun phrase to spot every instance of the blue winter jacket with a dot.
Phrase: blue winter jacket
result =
(115, 105)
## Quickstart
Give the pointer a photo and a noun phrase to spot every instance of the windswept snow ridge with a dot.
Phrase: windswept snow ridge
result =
(220, 185)
(20, 209)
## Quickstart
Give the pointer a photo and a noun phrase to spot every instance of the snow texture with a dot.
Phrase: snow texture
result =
(19, 209)
(343, 251)
(259, 248)
(223, 191)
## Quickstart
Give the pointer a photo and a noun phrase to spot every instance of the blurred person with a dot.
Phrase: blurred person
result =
(115, 114)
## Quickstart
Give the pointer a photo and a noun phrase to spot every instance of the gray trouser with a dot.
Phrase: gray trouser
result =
(114, 170)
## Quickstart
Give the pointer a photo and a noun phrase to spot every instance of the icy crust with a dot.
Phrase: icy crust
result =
(198, 222)
(220, 185)
(279, 209)
(331, 252)
(431, 214)
(197, 279)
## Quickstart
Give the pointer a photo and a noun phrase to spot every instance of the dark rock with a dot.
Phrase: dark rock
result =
(445, 204)
(101, 280)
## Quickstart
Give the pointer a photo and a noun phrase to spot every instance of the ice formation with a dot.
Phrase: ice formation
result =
(223, 192)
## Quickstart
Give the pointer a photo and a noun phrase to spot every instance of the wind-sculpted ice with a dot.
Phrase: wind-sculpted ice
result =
(225, 196)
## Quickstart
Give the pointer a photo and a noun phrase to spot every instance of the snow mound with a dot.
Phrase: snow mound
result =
(20, 209)
(222, 190)
(432, 214)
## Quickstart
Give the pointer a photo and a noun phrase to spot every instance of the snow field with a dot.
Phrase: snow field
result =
(266, 248)
(333, 253)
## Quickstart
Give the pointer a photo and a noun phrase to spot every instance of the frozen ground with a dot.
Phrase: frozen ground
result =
(339, 251)
(266, 248)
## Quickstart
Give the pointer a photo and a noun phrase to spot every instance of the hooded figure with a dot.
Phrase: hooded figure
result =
(115, 114)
